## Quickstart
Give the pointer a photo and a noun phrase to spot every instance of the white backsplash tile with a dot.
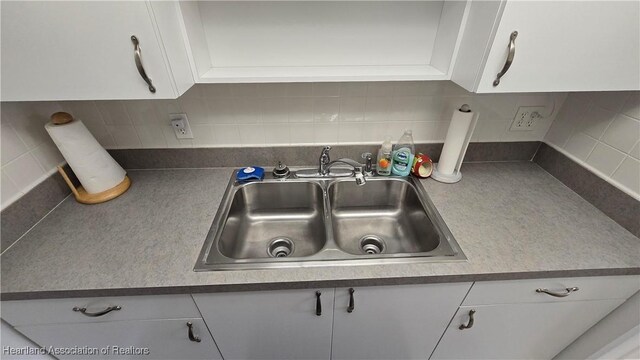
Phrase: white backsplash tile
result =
(151, 136)
(203, 135)
(622, 133)
(604, 133)
(325, 133)
(581, 145)
(635, 152)
(301, 133)
(628, 174)
(24, 171)
(141, 112)
(113, 112)
(326, 109)
(605, 158)
(378, 108)
(277, 133)
(251, 134)
(632, 106)
(125, 136)
(326, 89)
(274, 110)
(280, 114)
(611, 100)
(225, 134)
(10, 191)
(300, 109)
(48, 155)
(352, 108)
(12, 146)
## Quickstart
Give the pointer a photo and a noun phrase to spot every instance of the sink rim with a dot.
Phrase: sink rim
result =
(211, 259)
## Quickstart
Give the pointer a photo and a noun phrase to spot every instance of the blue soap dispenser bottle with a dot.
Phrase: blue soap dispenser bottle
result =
(403, 154)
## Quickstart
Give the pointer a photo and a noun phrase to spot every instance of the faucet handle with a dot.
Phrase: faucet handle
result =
(326, 149)
(368, 163)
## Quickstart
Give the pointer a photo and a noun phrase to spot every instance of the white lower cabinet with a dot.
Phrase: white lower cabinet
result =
(136, 339)
(520, 331)
(393, 322)
(530, 319)
(289, 324)
(129, 324)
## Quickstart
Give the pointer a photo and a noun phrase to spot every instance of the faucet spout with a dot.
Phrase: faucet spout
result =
(357, 167)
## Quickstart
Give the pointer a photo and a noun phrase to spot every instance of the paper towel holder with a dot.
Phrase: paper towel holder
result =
(457, 175)
(82, 196)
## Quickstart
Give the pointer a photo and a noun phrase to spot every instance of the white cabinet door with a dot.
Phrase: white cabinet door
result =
(55, 50)
(520, 331)
(270, 324)
(163, 339)
(566, 46)
(393, 322)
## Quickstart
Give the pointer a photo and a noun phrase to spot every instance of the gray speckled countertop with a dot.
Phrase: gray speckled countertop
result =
(512, 220)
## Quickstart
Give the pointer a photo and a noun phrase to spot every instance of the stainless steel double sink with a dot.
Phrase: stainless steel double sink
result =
(277, 223)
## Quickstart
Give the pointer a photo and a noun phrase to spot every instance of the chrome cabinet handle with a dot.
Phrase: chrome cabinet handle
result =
(318, 303)
(470, 323)
(507, 64)
(351, 302)
(83, 311)
(567, 292)
(138, 58)
(191, 336)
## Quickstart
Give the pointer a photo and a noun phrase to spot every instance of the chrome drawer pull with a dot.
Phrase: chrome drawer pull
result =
(84, 312)
(512, 54)
(470, 323)
(137, 55)
(191, 336)
(567, 292)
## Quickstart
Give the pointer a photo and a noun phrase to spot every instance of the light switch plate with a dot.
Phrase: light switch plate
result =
(527, 117)
(180, 125)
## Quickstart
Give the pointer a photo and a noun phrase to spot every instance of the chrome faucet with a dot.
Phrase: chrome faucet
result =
(325, 164)
(359, 170)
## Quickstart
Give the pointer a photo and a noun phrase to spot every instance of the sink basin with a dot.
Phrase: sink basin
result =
(274, 220)
(277, 223)
(380, 217)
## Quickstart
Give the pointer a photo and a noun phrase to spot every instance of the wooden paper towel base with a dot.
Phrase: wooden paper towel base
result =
(82, 196)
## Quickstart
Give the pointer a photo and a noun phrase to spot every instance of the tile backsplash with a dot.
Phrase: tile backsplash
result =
(601, 131)
(276, 114)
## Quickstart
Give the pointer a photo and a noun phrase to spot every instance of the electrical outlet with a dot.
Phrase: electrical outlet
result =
(180, 125)
(527, 117)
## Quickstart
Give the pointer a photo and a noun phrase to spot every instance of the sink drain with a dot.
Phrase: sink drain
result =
(371, 244)
(280, 247)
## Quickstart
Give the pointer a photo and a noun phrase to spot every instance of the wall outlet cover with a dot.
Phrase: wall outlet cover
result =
(527, 117)
(180, 125)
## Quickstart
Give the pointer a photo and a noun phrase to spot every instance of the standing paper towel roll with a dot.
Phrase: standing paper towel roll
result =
(455, 145)
(94, 167)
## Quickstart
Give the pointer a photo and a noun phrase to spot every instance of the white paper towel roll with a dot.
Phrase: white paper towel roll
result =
(92, 164)
(455, 141)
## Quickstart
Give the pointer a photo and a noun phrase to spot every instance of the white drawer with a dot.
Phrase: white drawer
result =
(524, 291)
(60, 311)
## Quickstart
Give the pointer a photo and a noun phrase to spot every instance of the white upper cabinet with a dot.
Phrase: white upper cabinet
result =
(83, 50)
(560, 46)
(271, 41)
